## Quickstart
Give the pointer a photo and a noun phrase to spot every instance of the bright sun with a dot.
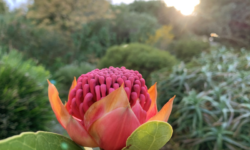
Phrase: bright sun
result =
(185, 6)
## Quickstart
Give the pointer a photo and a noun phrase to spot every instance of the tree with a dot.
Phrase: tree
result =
(165, 15)
(2, 7)
(161, 38)
(67, 14)
(230, 19)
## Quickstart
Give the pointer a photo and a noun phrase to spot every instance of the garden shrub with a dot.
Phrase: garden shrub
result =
(211, 108)
(93, 39)
(24, 104)
(139, 57)
(28, 67)
(49, 48)
(97, 36)
(186, 49)
(65, 75)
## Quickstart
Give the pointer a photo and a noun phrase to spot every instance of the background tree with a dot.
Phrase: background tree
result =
(230, 19)
(162, 37)
(67, 14)
(165, 15)
(2, 7)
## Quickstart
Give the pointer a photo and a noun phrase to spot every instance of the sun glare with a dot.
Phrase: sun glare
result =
(186, 7)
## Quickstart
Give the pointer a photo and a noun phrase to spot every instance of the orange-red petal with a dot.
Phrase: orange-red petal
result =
(112, 130)
(75, 130)
(78, 134)
(114, 100)
(165, 112)
(60, 111)
(73, 85)
(153, 96)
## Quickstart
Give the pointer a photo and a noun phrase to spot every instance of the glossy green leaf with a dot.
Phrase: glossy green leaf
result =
(38, 141)
(152, 135)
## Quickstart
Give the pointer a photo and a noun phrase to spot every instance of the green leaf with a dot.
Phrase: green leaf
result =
(152, 135)
(38, 141)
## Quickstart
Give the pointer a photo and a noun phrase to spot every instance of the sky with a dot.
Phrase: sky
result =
(185, 6)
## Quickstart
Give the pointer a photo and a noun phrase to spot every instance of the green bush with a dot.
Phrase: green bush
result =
(24, 104)
(139, 57)
(211, 108)
(93, 39)
(97, 36)
(52, 49)
(28, 67)
(186, 49)
(65, 75)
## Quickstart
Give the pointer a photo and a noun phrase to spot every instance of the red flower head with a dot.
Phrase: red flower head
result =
(105, 106)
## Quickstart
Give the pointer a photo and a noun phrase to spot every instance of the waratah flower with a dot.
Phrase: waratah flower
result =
(105, 106)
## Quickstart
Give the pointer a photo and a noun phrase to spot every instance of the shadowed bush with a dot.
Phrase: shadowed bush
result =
(186, 49)
(24, 103)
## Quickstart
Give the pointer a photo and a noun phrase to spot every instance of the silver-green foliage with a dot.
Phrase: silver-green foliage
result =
(212, 109)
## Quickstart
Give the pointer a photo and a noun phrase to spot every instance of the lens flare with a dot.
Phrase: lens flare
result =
(186, 7)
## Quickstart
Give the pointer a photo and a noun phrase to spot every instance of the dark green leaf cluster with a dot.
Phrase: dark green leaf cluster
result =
(212, 100)
(93, 39)
(23, 100)
(139, 57)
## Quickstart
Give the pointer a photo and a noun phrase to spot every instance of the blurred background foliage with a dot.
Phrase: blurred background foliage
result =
(202, 58)
(67, 14)
(212, 100)
(187, 48)
(23, 104)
